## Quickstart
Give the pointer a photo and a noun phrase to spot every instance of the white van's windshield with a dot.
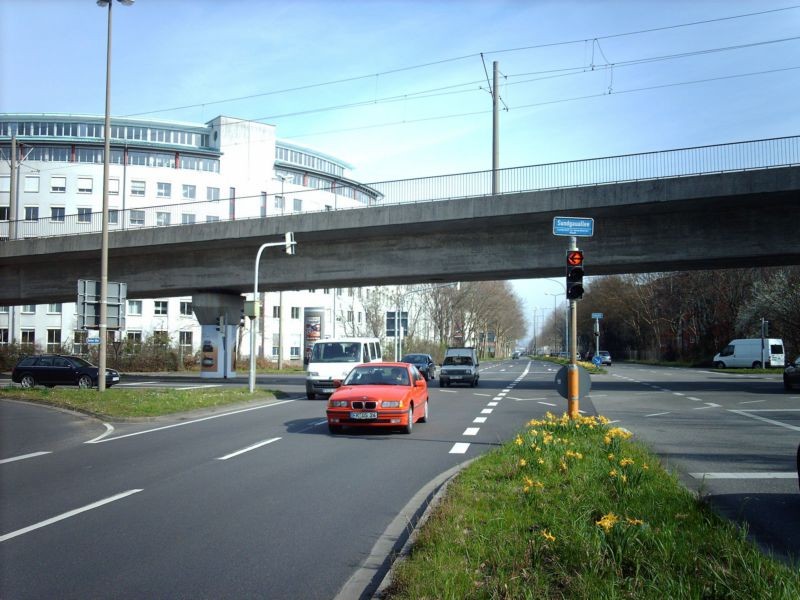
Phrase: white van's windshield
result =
(336, 352)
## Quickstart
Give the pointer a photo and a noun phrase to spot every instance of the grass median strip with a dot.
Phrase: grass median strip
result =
(132, 403)
(576, 509)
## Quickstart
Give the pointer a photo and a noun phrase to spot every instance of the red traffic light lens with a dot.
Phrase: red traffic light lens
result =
(574, 258)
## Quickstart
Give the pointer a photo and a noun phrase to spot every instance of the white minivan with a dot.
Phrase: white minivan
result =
(333, 359)
(749, 353)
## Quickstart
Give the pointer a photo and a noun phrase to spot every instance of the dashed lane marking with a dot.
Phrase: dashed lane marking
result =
(756, 475)
(459, 448)
(479, 420)
(248, 449)
(23, 457)
(471, 431)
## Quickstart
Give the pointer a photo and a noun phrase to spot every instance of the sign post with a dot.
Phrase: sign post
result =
(573, 227)
(597, 317)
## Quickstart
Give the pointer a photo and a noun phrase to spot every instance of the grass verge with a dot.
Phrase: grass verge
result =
(575, 509)
(130, 403)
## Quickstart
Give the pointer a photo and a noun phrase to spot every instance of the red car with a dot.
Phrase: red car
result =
(379, 395)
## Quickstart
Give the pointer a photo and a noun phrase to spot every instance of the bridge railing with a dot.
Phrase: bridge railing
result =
(685, 162)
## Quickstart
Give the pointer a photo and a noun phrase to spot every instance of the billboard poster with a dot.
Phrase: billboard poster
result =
(313, 325)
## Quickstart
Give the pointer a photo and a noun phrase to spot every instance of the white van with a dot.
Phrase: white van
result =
(748, 353)
(334, 358)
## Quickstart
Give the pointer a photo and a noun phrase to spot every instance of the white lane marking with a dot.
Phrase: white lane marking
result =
(752, 401)
(454, 392)
(599, 395)
(471, 431)
(745, 413)
(677, 394)
(657, 414)
(547, 403)
(703, 407)
(65, 515)
(136, 383)
(182, 423)
(492, 404)
(487, 411)
(248, 449)
(523, 399)
(477, 394)
(459, 448)
(23, 457)
(694, 399)
(109, 431)
(757, 475)
(200, 387)
(479, 420)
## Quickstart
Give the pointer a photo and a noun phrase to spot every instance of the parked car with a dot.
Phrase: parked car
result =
(605, 357)
(379, 395)
(791, 374)
(54, 369)
(423, 362)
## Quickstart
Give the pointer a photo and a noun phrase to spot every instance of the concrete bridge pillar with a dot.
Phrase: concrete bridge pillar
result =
(218, 343)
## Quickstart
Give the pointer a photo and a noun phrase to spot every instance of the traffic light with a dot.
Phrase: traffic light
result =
(574, 274)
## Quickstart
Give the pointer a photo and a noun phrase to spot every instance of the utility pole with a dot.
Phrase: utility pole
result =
(495, 126)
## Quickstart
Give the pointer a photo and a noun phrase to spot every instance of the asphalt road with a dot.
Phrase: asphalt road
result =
(261, 501)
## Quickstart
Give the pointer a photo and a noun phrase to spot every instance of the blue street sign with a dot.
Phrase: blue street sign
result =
(597, 315)
(93, 340)
(577, 226)
(597, 361)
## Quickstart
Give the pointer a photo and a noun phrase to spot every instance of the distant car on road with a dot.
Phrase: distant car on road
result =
(515, 355)
(605, 357)
(423, 362)
(54, 369)
(791, 374)
(379, 395)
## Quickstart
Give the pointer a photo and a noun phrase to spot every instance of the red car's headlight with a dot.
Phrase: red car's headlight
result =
(392, 404)
(340, 403)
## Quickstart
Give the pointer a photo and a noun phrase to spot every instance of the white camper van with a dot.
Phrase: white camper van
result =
(334, 358)
(749, 353)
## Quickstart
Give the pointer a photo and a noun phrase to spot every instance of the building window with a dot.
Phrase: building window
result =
(185, 340)
(294, 352)
(137, 188)
(31, 213)
(54, 309)
(189, 192)
(84, 215)
(134, 307)
(3, 310)
(279, 202)
(27, 337)
(85, 185)
(57, 213)
(276, 312)
(3, 337)
(79, 345)
(137, 217)
(162, 219)
(113, 186)
(160, 307)
(212, 194)
(160, 337)
(58, 184)
(53, 340)
(349, 316)
(212, 219)
(28, 309)
(4, 213)
(188, 219)
(5, 180)
(186, 308)
(135, 339)
(163, 190)
(31, 184)
(295, 312)
(113, 216)
(298, 205)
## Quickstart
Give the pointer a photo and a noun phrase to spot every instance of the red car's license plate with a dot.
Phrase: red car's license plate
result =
(363, 416)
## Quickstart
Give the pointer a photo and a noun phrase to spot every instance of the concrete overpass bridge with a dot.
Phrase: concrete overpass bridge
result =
(730, 205)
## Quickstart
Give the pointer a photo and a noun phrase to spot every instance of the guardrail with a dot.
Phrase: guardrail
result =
(684, 162)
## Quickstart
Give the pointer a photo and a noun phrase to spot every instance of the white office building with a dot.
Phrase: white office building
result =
(165, 173)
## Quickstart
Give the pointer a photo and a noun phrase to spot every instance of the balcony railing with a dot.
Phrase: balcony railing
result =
(685, 162)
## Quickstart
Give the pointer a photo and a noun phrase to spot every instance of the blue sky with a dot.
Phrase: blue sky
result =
(738, 77)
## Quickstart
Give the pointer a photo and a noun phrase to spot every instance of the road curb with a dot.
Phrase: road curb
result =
(407, 522)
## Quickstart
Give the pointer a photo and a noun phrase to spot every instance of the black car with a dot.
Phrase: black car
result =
(424, 364)
(791, 374)
(54, 369)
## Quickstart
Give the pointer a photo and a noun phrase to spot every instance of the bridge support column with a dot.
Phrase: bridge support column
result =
(219, 315)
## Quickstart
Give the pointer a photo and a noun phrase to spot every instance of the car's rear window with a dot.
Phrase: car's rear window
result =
(27, 362)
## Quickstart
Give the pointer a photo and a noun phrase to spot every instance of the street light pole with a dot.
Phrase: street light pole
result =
(103, 324)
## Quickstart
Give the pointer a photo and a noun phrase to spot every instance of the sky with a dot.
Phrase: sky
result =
(400, 89)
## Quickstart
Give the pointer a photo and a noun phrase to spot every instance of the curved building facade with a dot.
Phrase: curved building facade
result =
(166, 173)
